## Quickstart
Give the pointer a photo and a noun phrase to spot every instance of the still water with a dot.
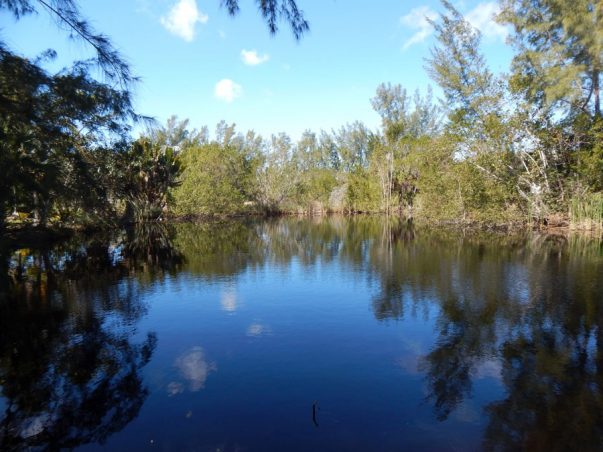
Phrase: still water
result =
(299, 334)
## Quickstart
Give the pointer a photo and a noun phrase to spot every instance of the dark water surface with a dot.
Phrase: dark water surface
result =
(297, 334)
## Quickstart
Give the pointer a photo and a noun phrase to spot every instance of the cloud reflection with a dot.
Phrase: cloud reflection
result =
(257, 330)
(194, 368)
(229, 300)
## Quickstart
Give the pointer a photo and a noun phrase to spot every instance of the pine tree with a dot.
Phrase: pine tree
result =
(559, 52)
(472, 92)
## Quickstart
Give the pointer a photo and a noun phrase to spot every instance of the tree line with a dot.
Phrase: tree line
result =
(521, 147)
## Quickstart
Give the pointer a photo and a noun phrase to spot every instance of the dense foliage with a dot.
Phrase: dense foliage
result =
(521, 147)
(66, 152)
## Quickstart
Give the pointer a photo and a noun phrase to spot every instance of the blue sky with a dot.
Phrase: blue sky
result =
(197, 62)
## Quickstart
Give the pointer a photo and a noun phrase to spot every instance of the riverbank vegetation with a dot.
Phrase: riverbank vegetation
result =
(524, 147)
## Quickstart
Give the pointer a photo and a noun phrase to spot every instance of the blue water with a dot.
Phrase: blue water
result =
(333, 334)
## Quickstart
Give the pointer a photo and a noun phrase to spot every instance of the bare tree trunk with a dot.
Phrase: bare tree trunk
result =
(596, 93)
(2, 218)
(391, 177)
(36, 209)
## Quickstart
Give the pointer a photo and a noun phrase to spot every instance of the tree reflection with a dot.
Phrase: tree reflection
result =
(555, 399)
(459, 348)
(553, 363)
(70, 369)
(219, 249)
(151, 245)
(531, 303)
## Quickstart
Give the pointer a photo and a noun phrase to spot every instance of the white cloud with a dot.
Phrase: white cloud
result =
(182, 19)
(251, 57)
(227, 90)
(416, 19)
(482, 18)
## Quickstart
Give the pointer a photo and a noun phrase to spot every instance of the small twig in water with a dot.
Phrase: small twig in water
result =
(314, 409)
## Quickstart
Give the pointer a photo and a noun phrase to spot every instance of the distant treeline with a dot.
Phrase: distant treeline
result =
(524, 147)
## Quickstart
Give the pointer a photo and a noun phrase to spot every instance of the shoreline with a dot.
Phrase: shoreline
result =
(40, 236)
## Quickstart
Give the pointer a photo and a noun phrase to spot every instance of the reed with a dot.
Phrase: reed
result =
(587, 212)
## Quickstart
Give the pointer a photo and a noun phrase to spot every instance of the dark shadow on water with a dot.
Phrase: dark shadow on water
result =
(70, 369)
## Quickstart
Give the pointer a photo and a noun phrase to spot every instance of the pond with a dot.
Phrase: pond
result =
(289, 334)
